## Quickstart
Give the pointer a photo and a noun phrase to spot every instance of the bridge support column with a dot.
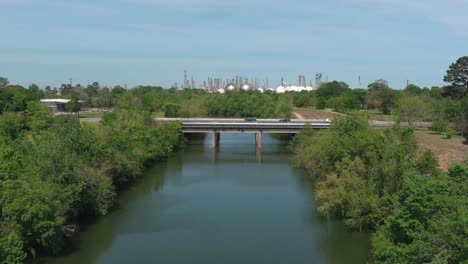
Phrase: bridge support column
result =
(258, 140)
(214, 139)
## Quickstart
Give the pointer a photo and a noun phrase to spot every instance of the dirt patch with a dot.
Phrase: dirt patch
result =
(311, 113)
(298, 116)
(447, 151)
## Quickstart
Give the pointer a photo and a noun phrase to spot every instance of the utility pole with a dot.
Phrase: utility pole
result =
(407, 83)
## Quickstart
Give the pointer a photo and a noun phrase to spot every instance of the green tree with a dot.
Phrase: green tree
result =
(457, 76)
(117, 91)
(410, 109)
(11, 245)
(378, 85)
(74, 105)
(461, 121)
(35, 91)
(428, 225)
(3, 82)
(439, 118)
(332, 89)
(171, 110)
(14, 98)
(38, 116)
(412, 90)
(104, 99)
(381, 96)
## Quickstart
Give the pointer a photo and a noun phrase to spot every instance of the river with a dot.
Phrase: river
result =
(231, 206)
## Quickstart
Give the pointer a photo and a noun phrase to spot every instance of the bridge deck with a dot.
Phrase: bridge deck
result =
(250, 127)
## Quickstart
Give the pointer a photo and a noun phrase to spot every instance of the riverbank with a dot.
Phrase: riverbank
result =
(376, 180)
(52, 178)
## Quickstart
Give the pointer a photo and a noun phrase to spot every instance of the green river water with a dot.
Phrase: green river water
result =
(230, 206)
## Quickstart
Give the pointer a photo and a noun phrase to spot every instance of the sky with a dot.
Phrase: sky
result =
(151, 42)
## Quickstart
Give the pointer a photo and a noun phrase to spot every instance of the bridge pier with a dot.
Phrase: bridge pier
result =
(258, 140)
(214, 139)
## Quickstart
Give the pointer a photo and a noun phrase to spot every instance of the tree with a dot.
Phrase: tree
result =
(38, 116)
(378, 85)
(351, 99)
(3, 82)
(381, 96)
(461, 123)
(410, 109)
(117, 91)
(457, 76)
(104, 99)
(439, 118)
(35, 91)
(171, 110)
(436, 92)
(14, 98)
(74, 104)
(332, 89)
(412, 89)
(429, 223)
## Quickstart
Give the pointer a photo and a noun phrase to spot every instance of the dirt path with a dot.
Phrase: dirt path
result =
(298, 116)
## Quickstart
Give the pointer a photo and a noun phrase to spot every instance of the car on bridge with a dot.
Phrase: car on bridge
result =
(285, 120)
(250, 119)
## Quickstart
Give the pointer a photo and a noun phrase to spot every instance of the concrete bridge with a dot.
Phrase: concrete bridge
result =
(241, 126)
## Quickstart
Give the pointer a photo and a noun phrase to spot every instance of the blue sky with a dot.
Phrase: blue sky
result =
(153, 41)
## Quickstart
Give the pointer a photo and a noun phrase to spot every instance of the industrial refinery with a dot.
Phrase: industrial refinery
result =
(238, 83)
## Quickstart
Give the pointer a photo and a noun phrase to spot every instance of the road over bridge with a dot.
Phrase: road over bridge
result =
(248, 127)
(259, 126)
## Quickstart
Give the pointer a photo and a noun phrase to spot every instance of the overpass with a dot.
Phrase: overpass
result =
(241, 126)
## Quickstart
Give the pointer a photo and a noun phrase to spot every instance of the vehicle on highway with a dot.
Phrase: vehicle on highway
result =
(285, 120)
(250, 119)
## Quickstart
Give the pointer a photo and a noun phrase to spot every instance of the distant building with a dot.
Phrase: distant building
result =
(57, 105)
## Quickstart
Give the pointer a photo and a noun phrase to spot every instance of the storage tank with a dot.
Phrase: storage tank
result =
(280, 89)
(230, 87)
(245, 87)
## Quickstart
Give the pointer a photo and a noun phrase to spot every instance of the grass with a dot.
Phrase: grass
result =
(379, 116)
(91, 114)
(158, 114)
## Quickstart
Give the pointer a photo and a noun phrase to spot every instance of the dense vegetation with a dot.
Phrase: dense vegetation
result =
(199, 103)
(380, 181)
(56, 171)
(375, 180)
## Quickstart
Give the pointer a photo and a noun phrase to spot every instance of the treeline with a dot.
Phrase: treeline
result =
(154, 99)
(446, 107)
(200, 103)
(375, 180)
(55, 171)
(249, 104)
